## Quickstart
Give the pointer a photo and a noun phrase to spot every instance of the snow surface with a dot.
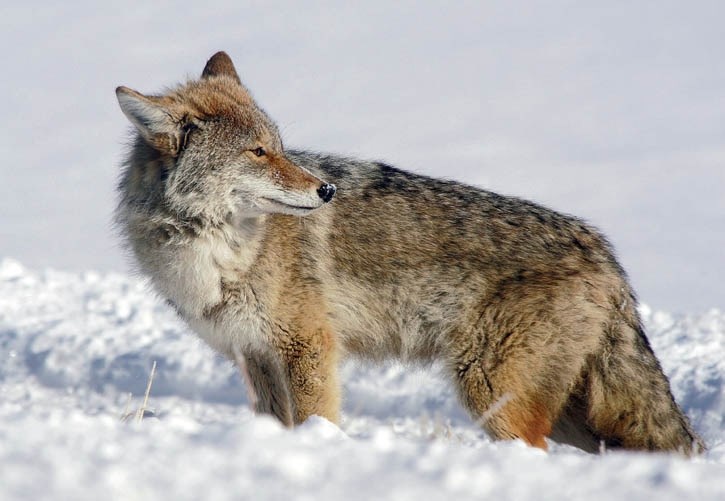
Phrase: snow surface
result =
(73, 346)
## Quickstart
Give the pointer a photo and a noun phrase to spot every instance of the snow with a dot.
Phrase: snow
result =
(74, 345)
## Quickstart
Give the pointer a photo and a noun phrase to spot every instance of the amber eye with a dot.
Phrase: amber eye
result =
(259, 151)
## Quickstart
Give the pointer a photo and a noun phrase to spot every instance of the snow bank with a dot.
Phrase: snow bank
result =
(73, 346)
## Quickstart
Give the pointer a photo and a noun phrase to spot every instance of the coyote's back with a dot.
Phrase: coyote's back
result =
(527, 309)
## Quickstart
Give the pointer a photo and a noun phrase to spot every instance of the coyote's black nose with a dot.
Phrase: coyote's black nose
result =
(326, 192)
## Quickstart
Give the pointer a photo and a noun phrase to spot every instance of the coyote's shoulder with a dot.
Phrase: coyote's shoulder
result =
(287, 261)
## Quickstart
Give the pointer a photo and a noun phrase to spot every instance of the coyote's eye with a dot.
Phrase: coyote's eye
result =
(259, 151)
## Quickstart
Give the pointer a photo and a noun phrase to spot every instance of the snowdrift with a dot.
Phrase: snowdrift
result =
(74, 346)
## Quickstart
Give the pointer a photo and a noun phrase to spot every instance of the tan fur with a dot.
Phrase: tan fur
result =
(527, 309)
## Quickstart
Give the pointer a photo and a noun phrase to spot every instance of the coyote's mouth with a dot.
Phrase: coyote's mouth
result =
(273, 205)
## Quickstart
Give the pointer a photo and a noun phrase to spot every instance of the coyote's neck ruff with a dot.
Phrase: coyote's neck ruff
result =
(526, 309)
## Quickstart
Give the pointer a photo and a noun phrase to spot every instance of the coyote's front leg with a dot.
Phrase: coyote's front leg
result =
(296, 377)
(268, 385)
(311, 356)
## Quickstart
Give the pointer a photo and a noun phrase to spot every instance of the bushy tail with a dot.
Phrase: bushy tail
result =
(624, 400)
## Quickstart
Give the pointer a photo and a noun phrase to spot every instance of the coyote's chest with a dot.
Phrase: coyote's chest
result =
(206, 279)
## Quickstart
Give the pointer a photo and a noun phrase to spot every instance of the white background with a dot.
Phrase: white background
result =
(613, 111)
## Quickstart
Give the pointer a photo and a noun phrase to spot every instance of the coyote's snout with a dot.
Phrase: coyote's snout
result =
(527, 310)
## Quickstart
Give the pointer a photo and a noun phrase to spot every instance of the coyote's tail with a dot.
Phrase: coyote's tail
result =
(624, 399)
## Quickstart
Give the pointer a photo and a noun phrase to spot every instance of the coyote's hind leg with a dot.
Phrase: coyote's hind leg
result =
(505, 412)
(515, 372)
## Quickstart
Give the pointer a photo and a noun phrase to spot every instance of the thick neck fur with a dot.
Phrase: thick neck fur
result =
(187, 258)
(143, 187)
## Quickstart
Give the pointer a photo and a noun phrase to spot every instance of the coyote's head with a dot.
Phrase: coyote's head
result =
(210, 151)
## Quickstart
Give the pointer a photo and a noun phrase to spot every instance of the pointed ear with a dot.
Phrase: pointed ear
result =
(152, 119)
(148, 116)
(220, 64)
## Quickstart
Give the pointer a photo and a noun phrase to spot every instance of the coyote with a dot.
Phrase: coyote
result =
(288, 261)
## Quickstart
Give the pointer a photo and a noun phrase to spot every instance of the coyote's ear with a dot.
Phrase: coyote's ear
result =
(151, 118)
(220, 64)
